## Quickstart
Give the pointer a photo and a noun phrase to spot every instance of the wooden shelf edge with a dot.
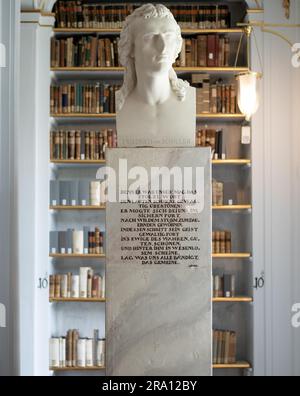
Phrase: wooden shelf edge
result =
(96, 162)
(76, 368)
(84, 300)
(233, 300)
(237, 365)
(232, 255)
(103, 162)
(82, 115)
(118, 30)
(232, 162)
(113, 115)
(232, 207)
(112, 69)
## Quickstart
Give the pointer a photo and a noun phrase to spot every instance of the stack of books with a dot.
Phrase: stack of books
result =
(84, 98)
(77, 242)
(81, 145)
(224, 347)
(72, 351)
(85, 285)
(86, 51)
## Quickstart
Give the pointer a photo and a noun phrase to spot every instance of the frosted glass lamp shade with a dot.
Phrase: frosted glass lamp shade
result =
(248, 98)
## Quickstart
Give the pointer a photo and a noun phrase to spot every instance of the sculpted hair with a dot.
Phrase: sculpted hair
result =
(126, 43)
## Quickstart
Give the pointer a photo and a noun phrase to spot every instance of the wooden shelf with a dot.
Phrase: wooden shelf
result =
(83, 115)
(61, 207)
(232, 162)
(221, 116)
(78, 162)
(88, 69)
(103, 162)
(76, 300)
(233, 207)
(82, 256)
(233, 300)
(118, 30)
(110, 70)
(237, 365)
(77, 368)
(113, 115)
(232, 256)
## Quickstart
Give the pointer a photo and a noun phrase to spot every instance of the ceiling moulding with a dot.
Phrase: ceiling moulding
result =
(45, 6)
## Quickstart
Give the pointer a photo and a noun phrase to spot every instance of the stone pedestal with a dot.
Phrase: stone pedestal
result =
(158, 272)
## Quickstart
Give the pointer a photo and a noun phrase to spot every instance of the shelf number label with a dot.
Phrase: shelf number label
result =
(43, 283)
(259, 282)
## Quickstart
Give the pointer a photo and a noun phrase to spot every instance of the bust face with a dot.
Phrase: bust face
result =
(155, 44)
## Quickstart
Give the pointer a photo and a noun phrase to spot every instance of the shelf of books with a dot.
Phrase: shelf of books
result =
(86, 74)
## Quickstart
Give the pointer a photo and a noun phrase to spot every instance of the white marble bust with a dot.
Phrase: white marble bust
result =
(154, 107)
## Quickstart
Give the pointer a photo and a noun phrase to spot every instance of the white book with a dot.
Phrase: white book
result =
(81, 352)
(78, 242)
(101, 353)
(89, 353)
(64, 286)
(95, 193)
(75, 286)
(62, 352)
(54, 352)
(83, 282)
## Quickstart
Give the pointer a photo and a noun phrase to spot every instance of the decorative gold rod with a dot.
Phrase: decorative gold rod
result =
(264, 28)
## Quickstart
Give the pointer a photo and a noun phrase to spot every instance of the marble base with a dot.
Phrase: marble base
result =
(159, 274)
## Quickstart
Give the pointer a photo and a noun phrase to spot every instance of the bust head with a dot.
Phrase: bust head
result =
(151, 41)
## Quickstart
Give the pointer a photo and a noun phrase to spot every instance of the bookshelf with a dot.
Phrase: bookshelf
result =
(187, 32)
(113, 116)
(235, 170)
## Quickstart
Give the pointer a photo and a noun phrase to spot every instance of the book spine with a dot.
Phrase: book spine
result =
(83, 281)
(78, 242)
(81, 358)
(54, 352)
(101, 353)
(75, 286)
(89, 353)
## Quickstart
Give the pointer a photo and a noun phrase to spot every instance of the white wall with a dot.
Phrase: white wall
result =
(9, 18)
(279, 165)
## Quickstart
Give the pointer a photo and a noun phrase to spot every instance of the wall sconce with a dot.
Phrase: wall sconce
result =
(247, 83)
(248, 97)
